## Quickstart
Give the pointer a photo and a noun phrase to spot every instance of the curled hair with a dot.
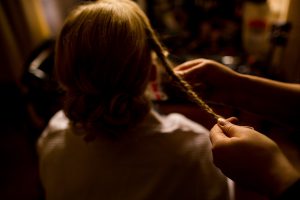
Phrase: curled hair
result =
(103, 61)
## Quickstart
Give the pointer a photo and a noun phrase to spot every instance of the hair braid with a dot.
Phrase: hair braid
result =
(185, 86)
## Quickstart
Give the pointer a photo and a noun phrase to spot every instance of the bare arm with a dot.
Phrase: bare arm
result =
(273, 99)
(218, 83)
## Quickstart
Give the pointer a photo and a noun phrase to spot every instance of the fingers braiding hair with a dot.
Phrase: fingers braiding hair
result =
(186, 87)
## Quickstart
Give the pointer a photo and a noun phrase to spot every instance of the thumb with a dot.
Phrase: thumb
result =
(228, 128)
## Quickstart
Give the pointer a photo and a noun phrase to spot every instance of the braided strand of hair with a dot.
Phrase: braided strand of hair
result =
(186, 87)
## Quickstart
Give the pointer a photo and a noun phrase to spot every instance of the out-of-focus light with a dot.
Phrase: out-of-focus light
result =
(228, 60)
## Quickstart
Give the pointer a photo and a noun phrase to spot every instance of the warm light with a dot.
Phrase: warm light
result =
(228, 60)
(279, 9)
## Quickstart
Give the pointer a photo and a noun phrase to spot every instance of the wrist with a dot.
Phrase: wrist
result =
(283, 177)
(292, 192)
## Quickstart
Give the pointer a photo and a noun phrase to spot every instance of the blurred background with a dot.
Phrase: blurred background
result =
(259, 37)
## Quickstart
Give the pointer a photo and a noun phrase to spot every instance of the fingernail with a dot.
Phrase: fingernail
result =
(250, 127)
(222, 121)
(180, 73)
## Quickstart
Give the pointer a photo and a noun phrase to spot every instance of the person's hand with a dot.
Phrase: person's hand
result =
(251, 159)
(211, 79)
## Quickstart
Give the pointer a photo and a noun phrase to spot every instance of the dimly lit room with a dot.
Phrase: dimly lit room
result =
(150, 99)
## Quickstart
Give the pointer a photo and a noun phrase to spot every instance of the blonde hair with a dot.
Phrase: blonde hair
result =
(185, 86)
(103, 61)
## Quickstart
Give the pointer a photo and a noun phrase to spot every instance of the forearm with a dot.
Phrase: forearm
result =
(291, 193)
(273, 99)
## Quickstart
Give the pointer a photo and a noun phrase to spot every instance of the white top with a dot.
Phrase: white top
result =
(164, 158)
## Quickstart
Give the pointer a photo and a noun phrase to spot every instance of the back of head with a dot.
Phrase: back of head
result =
(103, 61)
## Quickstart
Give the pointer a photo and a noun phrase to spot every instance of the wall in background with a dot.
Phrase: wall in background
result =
(26, 23)
(23, 27)
(290, 67)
